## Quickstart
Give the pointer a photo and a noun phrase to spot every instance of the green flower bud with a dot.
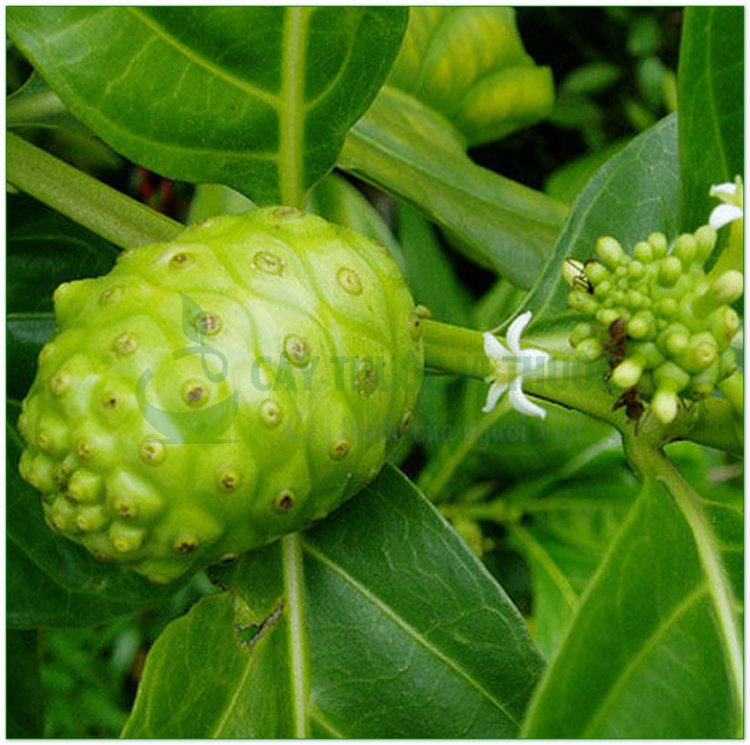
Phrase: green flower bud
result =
(670, 270)
(628, 372)
(580, 332)
(606, 316)
(610, 252)
(727, 363)
(666, 308)
(649, 352)
(705, 239)
(589, 350)
(671, 377)
(703, 383)
(636, 269)
(701, 352)
(726, 288)
(664, 404)
(642, 325)
(658, 243)
(724, 323)
(643, 252)
(596, 272)
(685, 249)
(733, 389)
(582, 302)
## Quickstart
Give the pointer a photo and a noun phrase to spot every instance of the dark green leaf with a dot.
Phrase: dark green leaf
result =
(259, 98)
(571, 518)
(431, 276)
(653, 650)
(377, 623)
(25, 702)
(51, 581)
(407, 149)
(711, 102)
(44, 250)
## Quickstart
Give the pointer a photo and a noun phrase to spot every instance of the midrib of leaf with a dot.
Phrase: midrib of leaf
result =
(555, 573)
(291, 557)
(291, 106)
(387, 611)
(238, 690)
(719, 590)
(648, 645)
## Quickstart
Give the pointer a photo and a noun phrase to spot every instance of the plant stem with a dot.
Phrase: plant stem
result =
(581, 385)
(103, 210)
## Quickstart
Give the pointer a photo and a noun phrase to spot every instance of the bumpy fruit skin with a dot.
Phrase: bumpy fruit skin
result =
(213, 393)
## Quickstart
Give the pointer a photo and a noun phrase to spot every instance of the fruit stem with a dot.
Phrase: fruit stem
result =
(103, 210)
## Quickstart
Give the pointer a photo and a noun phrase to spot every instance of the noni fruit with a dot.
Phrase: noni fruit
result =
(213, 393)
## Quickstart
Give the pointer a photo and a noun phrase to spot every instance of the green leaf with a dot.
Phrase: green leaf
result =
(468, 64)
(405, 148)
(653, 650)
(377, 623)
(258, 98)
(630, 196)
(431, 276)
(462, 77)
(25, 702)
(44, 250)
(52, 581)
(570, 520)
(335, 199)
(711, 103)
(567, 182)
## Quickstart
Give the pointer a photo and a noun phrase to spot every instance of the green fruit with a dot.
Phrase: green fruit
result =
(211, 394)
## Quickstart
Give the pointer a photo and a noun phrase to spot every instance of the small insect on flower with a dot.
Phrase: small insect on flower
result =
(633, 407)
(616, 344)
(574, 273)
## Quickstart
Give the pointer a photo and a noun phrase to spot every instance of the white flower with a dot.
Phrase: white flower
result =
(508, 365)
(730, 193)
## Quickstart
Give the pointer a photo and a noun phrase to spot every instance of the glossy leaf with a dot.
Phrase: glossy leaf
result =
(571, 518)
(52, 581)
(651, 651)
(259, 98)
(407, 149)
(469, 65)
(377, 623)
(44, 250)
(711, 101)
(631, 196)
(461, 77)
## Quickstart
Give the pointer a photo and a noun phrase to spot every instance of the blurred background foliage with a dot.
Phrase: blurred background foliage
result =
(614, 71)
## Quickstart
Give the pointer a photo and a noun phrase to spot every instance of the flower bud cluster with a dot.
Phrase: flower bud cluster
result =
(662, 322)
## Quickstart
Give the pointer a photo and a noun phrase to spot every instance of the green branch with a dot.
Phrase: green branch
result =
(103, 210)
(582, 386)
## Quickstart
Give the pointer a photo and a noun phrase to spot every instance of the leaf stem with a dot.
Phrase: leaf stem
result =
(103, 210)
